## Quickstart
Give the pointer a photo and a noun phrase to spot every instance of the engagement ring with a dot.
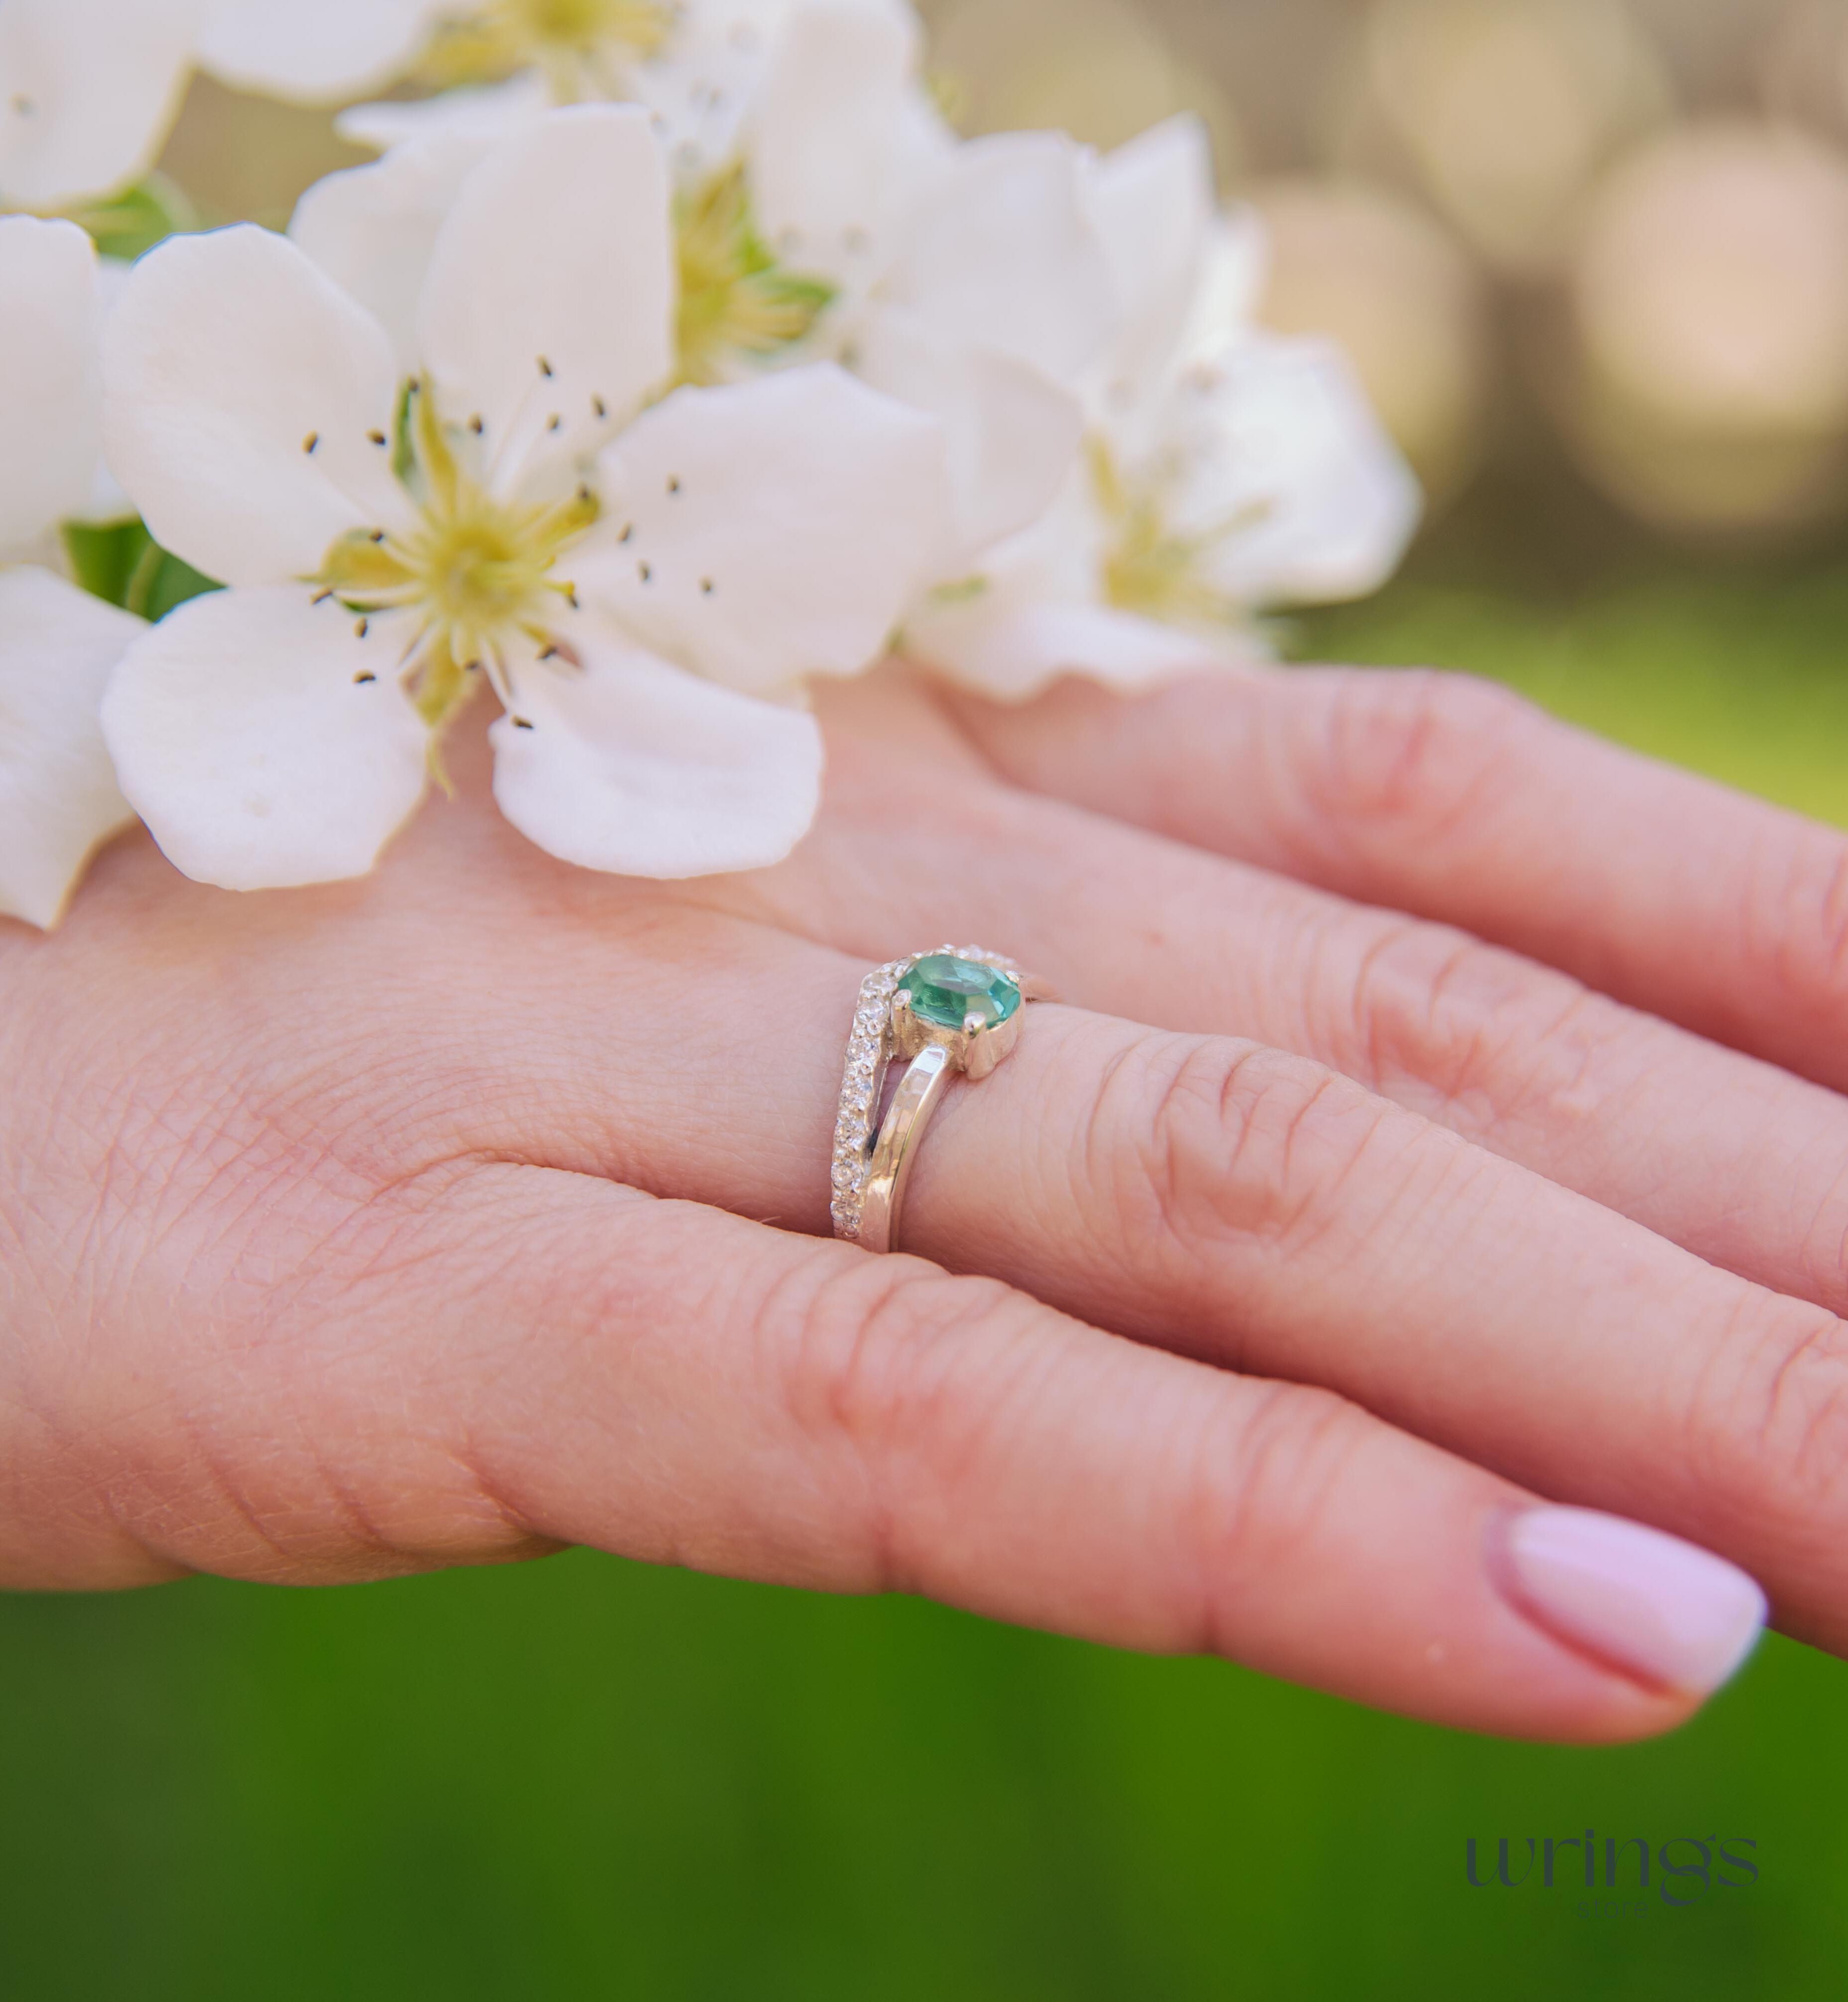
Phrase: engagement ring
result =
(947, 1012)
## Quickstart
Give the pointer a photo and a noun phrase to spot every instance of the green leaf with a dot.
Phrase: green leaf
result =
(121, 563)
(104, 556)
(134, 221)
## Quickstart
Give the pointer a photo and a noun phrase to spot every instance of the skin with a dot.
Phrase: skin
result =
(1443, 1116)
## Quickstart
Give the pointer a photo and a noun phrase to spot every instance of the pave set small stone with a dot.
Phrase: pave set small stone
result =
(869, 1053)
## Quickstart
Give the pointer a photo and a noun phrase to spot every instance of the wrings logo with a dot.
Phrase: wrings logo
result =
(1686, 1869)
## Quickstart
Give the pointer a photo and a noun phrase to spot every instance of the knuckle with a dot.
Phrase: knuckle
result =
(1772, 1416)
(1799, 893)
(1500, 1043)
(1271, 1479)
(1424, 748)
(875, 1357)
(1226, 1140)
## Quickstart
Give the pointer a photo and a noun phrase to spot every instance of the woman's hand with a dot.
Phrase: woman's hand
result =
(348, 1232)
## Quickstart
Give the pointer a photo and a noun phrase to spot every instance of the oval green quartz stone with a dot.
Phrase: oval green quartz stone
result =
(946, 991)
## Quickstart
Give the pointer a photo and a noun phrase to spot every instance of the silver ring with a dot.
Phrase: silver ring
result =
(957, 1011)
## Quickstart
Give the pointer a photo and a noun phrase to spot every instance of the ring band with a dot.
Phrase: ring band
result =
(956, 1010)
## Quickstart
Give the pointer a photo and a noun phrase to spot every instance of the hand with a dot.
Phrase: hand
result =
(350, 1232)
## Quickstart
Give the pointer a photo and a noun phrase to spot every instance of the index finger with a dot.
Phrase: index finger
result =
(1451, 799)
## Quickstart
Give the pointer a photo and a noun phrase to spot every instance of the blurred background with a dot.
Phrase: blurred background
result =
(1592, 258)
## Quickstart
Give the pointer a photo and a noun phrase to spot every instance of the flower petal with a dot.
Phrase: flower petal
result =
(88, 90)
(50, 394)
(1157, 210)
(244, 392)
(1281, 432)
(246, 738)
(373, 229)
(551, 292)
(1237, 268)
(1011, 434)
(774, 530)
(702, 87)
(321, 53)
(1014, 652)
(1001, 252)
(482, 112)
(827, 157)
(58, 796)
(629, 765)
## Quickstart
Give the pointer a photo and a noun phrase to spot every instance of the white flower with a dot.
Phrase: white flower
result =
(58, 797)
(821, 210)
(582, 50)
(796, 130)
(1226, 471)
(643, 593)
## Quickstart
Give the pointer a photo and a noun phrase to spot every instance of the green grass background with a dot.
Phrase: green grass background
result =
(587, 1780)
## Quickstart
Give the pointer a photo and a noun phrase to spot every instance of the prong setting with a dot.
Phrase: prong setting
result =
(888, 1026)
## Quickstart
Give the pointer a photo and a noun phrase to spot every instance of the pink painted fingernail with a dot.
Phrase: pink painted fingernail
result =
(1663, 1609)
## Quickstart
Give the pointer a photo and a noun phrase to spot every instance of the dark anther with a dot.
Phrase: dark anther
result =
(555, 423)
(362, 629)
(628, 533)
(601, 408)
(673, 485)
(365, 676)
(550, 654)
(545, 367)
(322, 597)
(378, 437)
(309, 443)
(707, 585)
(376, 535)
(571, 597)
(473, 667)
(476, 426)
(647, 572)
(520, 723)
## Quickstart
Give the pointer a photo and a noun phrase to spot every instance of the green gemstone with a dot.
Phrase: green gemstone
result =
(946, 992)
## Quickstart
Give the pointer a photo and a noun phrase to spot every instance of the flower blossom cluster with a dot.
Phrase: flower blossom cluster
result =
(672, 355)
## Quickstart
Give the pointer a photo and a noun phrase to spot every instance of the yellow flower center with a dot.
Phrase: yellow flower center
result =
(1152, 568)
(478, 572)
(582, 45)
(738, 305)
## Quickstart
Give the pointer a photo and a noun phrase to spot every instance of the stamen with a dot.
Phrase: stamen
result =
(378, 437)
(360, 679)
(311, 443)
(477, 572)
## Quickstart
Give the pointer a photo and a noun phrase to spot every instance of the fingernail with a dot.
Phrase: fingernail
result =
(1664, 1610)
